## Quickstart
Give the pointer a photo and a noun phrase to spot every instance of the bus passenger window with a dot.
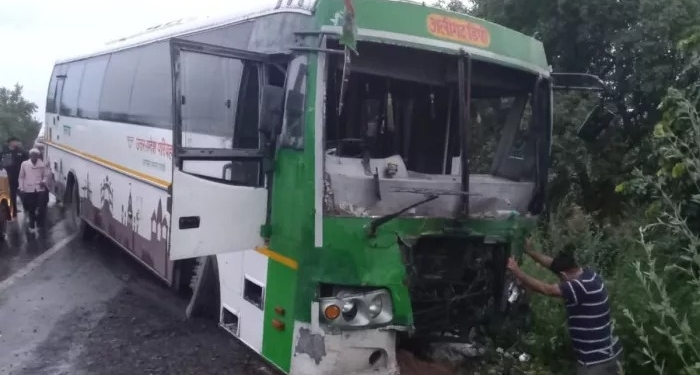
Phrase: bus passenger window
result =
(209, 88)
(118, 84)
(71, 88)
(151, 96)
(53, 89)
(220, 102)
(91, 87)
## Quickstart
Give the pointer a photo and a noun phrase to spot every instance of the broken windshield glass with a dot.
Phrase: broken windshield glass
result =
(399, 131)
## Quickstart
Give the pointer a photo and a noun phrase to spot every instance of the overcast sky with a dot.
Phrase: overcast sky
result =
(34, 33)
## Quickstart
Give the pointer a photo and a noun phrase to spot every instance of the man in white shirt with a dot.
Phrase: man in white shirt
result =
(33, 178)
(50, 182)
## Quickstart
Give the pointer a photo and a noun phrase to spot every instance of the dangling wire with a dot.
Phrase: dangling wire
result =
(447, 133)
(344, 82)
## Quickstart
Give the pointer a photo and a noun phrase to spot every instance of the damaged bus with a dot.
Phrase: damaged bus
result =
(336, 178)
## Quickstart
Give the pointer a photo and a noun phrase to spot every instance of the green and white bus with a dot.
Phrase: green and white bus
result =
(338, 177)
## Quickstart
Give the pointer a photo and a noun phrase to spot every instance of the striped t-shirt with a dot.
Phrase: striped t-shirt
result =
(589, 320)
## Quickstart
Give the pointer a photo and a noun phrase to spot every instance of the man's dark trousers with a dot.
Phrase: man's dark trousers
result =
(34, 207)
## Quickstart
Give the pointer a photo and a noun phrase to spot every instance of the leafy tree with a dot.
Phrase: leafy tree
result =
(453, 5)
(645, 172)
(633, 46)
(668, 271)
(16, 116)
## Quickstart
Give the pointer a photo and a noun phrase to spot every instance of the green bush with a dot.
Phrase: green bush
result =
(650, 262)
(669, 270)
(606, 249)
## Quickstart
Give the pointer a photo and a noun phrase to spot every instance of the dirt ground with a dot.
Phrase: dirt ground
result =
(93, 310)
(136, 336)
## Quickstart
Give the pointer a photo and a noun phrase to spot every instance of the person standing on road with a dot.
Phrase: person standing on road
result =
(12, 158)
(596, 347)
(33, 179)
(50, 181)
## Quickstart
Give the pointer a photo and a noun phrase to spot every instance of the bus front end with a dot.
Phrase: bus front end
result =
(432, 145)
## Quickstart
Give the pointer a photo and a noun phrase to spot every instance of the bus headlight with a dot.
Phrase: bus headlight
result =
(349, 310)
(357, 309)
(375, 307)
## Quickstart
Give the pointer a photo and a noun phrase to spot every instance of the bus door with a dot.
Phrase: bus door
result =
(218, 196)
(53, 129)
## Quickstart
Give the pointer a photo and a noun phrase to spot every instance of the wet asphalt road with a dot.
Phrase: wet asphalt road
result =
(90, 309)
(19, 249)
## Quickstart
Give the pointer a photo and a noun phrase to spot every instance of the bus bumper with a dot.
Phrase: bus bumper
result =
(355, 352)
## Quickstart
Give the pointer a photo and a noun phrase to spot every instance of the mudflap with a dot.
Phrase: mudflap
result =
(205, 290)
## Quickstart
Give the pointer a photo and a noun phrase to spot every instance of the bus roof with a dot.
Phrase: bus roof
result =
(419, 26)
(438, 29)
(193, 25)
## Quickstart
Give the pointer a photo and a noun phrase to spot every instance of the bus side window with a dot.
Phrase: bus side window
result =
(219, 108)
(219, 104)
(91, 87)
(51, 94)
(117, 85)
(151, 96)
(71, 89)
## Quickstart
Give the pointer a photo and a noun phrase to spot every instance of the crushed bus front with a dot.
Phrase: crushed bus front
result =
(417, 285)
(414, 250)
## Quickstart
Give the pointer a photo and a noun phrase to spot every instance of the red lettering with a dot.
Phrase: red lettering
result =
(458, 30)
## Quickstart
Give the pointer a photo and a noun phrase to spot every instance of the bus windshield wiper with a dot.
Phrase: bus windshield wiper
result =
(375, 223)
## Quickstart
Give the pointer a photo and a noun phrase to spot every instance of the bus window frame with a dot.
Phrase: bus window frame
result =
(182, 153)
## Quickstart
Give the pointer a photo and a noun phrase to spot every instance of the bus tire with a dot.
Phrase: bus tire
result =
(205, 300)
(73, 215)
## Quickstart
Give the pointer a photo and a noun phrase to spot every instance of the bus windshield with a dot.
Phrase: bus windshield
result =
(397, 136)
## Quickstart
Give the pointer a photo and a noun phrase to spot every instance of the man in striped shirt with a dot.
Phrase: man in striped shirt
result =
(596, 347)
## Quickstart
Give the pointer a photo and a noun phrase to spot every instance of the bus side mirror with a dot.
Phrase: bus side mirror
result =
(597, 121)
(271, 111)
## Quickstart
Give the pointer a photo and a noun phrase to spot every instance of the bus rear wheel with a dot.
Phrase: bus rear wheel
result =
(76, 222)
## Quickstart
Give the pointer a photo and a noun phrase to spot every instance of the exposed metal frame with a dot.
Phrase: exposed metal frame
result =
(441, 46)
(320, 47)
(319, 50)
(541, 158)
(601, 86)
(464, 75)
